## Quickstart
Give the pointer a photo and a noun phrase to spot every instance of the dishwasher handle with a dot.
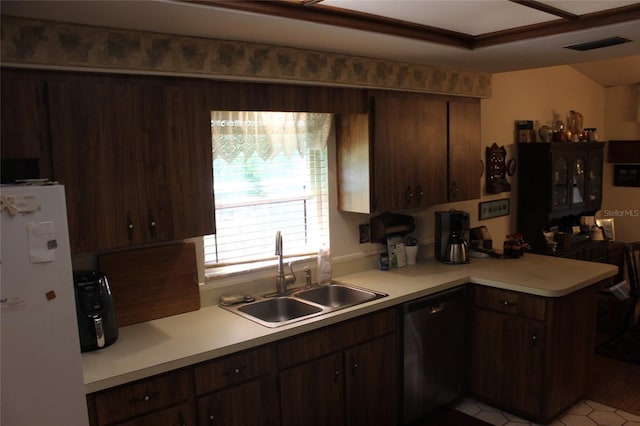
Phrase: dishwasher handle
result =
(435, 309)
(435, 303)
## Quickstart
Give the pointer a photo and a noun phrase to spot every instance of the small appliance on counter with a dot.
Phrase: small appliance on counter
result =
(451, 236)
(97, 324)
(388, 223)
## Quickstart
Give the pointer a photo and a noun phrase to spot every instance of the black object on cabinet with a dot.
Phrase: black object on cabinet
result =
(557, 181)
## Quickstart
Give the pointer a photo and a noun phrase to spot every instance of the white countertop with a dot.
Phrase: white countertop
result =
(161, 345)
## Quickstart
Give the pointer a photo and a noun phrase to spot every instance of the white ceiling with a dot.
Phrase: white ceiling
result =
(469, 17)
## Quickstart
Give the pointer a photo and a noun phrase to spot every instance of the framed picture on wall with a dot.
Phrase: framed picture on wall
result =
(608, 227)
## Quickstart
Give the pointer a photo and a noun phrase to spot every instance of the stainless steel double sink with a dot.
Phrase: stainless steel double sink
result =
(301, 304)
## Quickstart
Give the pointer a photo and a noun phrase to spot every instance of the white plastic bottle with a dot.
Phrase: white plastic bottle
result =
(325, 270)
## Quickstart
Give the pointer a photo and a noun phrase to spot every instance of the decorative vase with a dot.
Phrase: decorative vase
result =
(545, 133)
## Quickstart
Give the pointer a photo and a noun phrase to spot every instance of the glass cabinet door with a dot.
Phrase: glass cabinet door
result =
(594, 180)
(560, 178)
(578, 181)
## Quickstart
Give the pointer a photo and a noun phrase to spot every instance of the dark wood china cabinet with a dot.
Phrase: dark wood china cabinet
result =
(557, 183)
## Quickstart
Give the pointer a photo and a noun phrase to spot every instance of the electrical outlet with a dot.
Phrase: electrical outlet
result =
(364, 233)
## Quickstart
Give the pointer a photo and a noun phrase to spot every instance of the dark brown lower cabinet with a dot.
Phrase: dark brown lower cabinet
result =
(165, 399)
(532, 355)
(371, 382)
(239, 389)
(313, 393)
(513, 350)
(345, 374)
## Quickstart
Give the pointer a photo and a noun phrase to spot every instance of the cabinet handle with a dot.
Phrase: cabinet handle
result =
(420, 193)
(408, 194)
(234, 370)
(354, 365)
(534, 339)
(507, 303)
(146, 398)
(211, 419)
(336, 372)
(152, 224)
(454, 190)
(129, 226)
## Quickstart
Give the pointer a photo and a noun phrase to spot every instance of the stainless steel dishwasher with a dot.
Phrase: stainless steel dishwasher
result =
(434, 346)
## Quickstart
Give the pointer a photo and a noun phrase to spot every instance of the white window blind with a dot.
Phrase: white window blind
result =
(270, 174)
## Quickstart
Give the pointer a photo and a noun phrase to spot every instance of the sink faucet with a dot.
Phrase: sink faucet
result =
(283, 280)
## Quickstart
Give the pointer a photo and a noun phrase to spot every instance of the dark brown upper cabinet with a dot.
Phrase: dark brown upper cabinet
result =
(410, 151)
(135, 158)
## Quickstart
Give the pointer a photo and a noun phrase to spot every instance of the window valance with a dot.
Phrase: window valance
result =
(266, 135)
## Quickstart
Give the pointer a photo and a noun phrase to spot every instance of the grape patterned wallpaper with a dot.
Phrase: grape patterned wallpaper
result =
(44, 44)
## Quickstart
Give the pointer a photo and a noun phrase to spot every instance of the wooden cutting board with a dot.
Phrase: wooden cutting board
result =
(153, 282)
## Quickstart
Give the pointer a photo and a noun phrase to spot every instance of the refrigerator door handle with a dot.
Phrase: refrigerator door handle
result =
(97, 324)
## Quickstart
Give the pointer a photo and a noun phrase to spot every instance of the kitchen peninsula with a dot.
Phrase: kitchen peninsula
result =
(557, 287)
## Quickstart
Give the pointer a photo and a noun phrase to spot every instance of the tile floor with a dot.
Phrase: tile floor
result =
(585, 413)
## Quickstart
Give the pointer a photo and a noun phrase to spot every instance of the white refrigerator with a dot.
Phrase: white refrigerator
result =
(41, 364)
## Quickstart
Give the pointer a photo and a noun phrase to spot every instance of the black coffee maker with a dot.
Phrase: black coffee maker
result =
(97, 324)
(452, 236)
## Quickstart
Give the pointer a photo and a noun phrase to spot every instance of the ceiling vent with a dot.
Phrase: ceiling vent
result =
(597, 44)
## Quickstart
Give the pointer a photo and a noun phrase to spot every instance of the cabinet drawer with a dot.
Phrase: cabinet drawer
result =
(336, 338)
(233, 369)
(510, 302)
(181, 415)
(142, 397)
(598, 253)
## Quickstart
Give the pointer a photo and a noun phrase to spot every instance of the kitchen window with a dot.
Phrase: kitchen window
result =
(270, 174)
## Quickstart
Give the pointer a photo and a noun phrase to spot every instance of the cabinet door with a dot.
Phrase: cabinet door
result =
(94, 134)
(508, 360)
(25, 130)
(594, 179)
(465, 167)
(560, 182)
(353, 163)
(249, 404)
(371, 382)
(174, 163)
(578, 183)
(135, 158)
(410, 152)
(313, 393)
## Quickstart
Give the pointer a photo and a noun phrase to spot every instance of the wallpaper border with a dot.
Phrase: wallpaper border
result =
(35, 43)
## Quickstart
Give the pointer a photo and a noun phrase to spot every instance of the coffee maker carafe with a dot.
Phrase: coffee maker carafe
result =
(451, 236)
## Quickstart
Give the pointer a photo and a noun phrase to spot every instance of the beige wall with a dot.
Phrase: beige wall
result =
(622, 121)
(536, 95)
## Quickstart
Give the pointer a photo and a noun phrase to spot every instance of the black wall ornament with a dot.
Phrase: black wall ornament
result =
(496, 169)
